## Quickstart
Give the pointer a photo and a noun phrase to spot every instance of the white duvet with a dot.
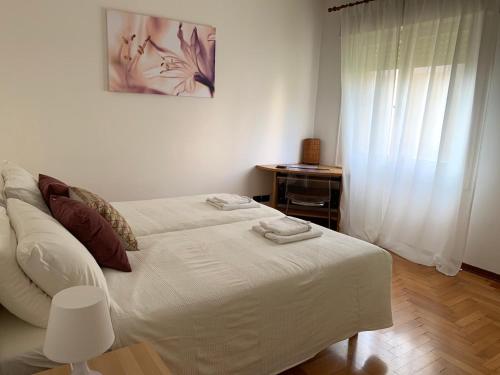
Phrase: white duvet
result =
(224, 300)
(189, 212)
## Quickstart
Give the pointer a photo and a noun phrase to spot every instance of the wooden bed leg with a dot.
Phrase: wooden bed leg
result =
(352, 344)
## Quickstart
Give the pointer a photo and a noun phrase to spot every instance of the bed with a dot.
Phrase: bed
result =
(213, 297)
(154, 216)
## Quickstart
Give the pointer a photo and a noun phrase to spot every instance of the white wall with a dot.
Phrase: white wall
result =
(483, 247)
(329, 91)
(56, 116)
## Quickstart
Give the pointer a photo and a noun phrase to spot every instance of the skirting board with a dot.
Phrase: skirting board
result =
(479, 271)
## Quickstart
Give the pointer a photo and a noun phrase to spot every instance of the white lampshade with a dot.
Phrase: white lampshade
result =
(79, 325)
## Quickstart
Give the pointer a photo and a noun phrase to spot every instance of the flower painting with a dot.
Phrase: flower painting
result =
(158, 55)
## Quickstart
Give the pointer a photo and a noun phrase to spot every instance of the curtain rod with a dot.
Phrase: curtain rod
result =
(340, 7)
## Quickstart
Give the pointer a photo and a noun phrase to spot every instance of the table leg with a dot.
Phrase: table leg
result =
(274, 192)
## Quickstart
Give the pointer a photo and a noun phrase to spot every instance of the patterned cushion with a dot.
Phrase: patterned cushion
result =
(108, 212)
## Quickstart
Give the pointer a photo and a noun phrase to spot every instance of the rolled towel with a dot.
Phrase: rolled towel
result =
(313, 233)
(229, 199)
(231, 207)
(286, 226)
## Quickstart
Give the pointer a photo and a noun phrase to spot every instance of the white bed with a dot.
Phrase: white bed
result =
(172, 214)
(216, 298)
(225, 300)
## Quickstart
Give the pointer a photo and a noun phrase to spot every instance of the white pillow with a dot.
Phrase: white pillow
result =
(18, 294)
(21, 184)
(48, 253)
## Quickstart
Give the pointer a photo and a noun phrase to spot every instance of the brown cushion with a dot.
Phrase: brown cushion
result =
(92, 231)
(51, 186)
(108, 212)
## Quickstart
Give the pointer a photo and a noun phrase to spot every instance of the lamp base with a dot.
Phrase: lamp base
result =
(81, 368)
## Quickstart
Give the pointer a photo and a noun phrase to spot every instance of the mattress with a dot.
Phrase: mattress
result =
(224, 300)
(172, 214)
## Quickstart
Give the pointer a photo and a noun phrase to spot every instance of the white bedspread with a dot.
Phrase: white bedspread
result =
(224, 300)
(179, 213)
(216, 298)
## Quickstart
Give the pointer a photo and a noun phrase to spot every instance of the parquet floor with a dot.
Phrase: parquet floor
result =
(442, 325)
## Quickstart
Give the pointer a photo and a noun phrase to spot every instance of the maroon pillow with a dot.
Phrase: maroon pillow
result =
(92, 230)
(51, 186)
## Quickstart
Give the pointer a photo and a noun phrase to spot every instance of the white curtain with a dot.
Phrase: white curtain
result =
(414, 86)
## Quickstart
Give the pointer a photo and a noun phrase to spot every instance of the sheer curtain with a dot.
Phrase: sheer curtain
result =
(414, 85)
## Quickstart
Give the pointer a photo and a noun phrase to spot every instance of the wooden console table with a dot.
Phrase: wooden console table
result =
(320, 172)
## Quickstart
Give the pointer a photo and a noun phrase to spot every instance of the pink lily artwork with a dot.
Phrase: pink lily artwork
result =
(156, 55)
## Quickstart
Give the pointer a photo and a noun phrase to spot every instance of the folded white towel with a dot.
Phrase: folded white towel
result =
(229, 199)
(230, 207)
(314, 232)
(286, 225)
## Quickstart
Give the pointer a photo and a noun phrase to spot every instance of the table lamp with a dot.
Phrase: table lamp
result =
(79, 328)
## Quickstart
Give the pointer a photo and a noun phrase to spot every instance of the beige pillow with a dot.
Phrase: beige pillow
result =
(21, 184)
(18, 293)
(109, 213)
(51, 257)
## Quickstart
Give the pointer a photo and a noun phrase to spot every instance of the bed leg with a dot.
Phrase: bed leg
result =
(352, 344)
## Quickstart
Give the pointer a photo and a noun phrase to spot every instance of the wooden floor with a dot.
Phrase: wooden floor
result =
(442, 325)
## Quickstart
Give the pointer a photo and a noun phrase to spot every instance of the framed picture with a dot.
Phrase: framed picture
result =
(156, 55)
